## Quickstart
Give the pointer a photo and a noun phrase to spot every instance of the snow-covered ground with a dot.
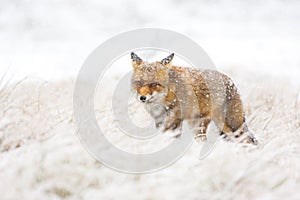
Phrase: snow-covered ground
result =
(255, 42)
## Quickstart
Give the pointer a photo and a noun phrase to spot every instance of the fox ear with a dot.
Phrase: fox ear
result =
(168, 60)
(136, 61)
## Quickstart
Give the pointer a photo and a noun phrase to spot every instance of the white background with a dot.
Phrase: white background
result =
(51, 39)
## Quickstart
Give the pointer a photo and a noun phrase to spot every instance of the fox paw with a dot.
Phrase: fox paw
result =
(200, 137)
(248, 138)
(173, 133)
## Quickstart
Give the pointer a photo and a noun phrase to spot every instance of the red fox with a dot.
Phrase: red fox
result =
(172, 94)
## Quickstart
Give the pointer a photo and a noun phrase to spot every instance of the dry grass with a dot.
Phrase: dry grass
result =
(41, 157)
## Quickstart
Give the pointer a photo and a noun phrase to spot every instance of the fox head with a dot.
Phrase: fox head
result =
(150, 80)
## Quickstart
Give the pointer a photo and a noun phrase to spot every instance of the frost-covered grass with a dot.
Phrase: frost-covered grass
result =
(41, 157)
(27, 112)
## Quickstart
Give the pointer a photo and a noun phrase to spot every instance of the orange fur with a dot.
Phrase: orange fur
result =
(200, 96)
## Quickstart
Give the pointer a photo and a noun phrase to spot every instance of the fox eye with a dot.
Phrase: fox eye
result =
(155, 84)
(139, 83)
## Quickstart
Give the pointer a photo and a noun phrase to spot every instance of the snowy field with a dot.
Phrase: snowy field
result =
(42, 47)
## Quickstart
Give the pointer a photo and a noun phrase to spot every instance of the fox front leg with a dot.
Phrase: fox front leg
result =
(158, 123)
(158, 113)
(173, 123)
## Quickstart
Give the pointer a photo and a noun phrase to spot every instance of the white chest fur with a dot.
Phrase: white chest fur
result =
(157, 111)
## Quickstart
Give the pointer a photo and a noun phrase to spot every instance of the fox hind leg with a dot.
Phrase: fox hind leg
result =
(244, 135)
(235, 123)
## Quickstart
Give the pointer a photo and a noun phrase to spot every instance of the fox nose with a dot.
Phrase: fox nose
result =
(143, 98)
